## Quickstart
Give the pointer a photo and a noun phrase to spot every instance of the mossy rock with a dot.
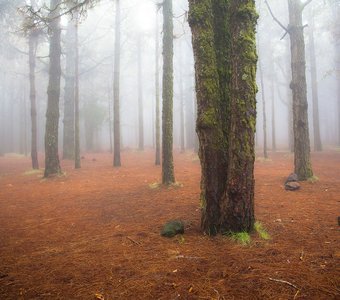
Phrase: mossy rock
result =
(171, 228)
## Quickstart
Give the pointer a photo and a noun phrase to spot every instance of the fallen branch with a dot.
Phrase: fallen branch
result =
(133, 241)
(284, 281)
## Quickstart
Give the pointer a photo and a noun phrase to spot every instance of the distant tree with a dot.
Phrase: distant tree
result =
(140, 95)
(168, 176)
(314, 82)
(69, 91)
(52, 164)
(32, 49)
(223, 35)
(157, 118)
(273, 115)
(181, 99)
(264, 113)
(302, 161)
(116, 106)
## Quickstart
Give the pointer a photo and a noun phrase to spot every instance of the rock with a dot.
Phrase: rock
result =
(339, 220)
(171, 228)
(292, 178)
(292, 186)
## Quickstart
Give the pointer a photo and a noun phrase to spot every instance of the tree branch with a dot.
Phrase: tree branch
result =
(276, 20)
(305, 4)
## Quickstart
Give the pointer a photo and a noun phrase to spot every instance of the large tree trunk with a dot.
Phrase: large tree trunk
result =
(32, 48)
(225, 63)
(116, 109)
(140, 97)
(315, 96)
(168, 176)
(69, 94)
(157, 125)
(52, 164)
(302, 162)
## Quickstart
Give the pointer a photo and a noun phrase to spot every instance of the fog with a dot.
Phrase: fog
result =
(138, 21)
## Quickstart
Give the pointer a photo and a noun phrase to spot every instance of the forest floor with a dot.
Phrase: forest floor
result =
(94, 233)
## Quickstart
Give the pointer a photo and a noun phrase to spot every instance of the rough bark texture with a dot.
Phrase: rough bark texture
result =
(68, 134)
(52, 165)
(302, 161)
(168, 176)
(223, 34)
(315, 96)
(140, 97)
(116, 108)
(32, 47)
(157, 125)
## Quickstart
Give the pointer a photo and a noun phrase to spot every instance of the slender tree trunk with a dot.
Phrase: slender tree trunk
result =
(315, 96)
(265, 152)
(140, 97)
(69, 94)
(181, 97)
(52, 164)
(77, 162)
(224, 46)
(116, 109)
(158, 129)
(302, 161)
(168, 176)
(32, 48)
(110, 118)
(273, 117)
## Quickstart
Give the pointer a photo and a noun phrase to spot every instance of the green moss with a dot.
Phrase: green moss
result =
(313, 179)
(242, 238)
(258, 227)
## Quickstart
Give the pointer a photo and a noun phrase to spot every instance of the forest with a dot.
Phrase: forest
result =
(169, 149)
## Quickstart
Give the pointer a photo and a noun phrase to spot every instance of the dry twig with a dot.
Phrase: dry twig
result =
(284, 281)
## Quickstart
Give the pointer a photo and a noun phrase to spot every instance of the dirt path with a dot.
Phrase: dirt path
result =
(96, 231)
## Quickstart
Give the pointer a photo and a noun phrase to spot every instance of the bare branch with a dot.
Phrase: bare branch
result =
(305, 4)
(276, 20)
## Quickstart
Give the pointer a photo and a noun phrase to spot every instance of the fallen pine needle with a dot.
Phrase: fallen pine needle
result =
(284, 281)
(296, 294)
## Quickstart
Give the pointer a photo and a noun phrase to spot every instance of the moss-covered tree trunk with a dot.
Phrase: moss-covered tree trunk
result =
(315, 93)
(116, 80)
(223, 34)
(168, 176)
(68, 132)
(157, 118)
(52, 164)
(302, 161)
(32, 48)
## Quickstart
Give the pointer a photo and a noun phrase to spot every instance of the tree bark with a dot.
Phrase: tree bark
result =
(116, 108)
(52, 164)
(168, 176)
(223, 36)
(314, 82)
(302, 161)
(32, 48)
(157, 125)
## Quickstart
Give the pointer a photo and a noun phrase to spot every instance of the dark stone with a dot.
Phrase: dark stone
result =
(339, 220)
(292, 186)
(171, 228)
(292, 178)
